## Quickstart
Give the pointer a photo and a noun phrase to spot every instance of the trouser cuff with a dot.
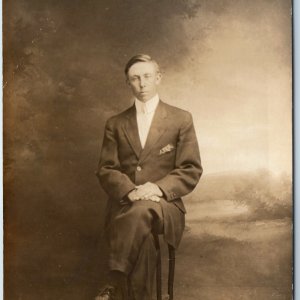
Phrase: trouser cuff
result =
(123, 266)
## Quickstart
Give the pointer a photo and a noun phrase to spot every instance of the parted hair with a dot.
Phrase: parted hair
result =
(140, 58)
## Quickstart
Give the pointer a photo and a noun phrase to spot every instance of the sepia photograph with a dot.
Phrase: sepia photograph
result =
(147, 150)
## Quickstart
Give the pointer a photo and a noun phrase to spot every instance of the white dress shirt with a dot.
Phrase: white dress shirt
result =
(144, 114)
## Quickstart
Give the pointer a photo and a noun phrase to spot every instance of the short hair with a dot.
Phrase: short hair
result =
(140, 58)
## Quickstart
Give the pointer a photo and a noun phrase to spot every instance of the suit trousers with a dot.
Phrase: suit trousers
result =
(132, 249)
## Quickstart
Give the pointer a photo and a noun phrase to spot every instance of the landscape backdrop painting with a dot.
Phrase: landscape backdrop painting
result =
(228, 62)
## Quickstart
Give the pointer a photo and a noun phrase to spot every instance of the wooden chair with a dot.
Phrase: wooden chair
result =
(171, 251)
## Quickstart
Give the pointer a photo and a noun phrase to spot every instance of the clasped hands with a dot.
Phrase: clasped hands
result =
(148, 191)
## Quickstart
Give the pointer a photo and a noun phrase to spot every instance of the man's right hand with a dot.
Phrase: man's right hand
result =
(132, 196)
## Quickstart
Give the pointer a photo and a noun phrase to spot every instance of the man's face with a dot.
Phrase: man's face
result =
(143, 79)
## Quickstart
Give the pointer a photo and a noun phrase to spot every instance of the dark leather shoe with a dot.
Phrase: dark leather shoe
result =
(107, 293)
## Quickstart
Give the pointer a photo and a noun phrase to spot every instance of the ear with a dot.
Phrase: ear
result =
(158, 77)
(127, 82)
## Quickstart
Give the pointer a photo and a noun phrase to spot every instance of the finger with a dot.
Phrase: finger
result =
(140, 191)
(135, 199)
(148, 195)
(144, 193)
(141, 195)
(154, 198)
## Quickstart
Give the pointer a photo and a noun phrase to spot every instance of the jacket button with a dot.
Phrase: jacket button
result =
(138, 168)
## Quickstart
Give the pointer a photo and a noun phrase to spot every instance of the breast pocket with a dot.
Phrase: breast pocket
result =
(166, 154)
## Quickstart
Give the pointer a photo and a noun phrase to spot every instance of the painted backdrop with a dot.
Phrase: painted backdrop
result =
(228, 62)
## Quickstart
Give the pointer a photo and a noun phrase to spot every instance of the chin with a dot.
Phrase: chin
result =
(145, 98)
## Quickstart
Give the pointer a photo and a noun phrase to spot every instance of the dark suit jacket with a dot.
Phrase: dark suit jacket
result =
(170, 157)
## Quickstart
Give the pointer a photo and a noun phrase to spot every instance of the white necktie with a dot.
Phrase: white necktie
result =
(144, 123)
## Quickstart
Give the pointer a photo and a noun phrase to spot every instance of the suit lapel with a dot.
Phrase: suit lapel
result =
(131, 131)
(156, 130)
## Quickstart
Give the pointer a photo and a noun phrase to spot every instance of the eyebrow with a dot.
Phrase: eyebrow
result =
(146, 74)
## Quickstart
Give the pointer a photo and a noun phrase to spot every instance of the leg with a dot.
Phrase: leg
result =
(142, 276)
(128, 231)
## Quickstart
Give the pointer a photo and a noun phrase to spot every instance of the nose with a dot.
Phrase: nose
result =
(142, 82)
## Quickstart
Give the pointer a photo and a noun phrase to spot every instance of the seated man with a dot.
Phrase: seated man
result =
(149, 160)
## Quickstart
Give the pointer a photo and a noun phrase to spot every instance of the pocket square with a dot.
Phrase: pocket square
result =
(166, 149)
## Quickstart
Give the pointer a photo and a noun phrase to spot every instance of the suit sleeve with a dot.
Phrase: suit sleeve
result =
(115, 183)
(188, 170)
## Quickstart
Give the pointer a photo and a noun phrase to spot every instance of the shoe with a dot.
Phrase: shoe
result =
(107, 293)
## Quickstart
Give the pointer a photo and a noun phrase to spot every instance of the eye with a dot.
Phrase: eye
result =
(148, 76)
(133, 79)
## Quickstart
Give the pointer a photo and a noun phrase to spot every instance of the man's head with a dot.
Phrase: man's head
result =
(143, 76)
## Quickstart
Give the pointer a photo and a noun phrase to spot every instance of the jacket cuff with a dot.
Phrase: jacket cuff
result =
(169, 195)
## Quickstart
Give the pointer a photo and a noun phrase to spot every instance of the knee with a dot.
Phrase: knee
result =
(140, 212)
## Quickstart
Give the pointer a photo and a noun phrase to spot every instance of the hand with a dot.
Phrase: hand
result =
(154, 199)
(132, 196)
(149, 191)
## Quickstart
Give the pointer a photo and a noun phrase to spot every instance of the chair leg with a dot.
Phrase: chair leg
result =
(158, 268)
(171, 271)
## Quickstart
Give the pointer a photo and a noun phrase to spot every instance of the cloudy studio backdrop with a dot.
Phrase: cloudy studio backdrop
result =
(227, 62)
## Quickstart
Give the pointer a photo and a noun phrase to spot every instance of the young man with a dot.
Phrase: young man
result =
(149, 160)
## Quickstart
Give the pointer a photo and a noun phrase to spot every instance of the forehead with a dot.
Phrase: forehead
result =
(141, 68)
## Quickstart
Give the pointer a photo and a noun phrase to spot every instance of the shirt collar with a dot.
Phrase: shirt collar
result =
(147, 107)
